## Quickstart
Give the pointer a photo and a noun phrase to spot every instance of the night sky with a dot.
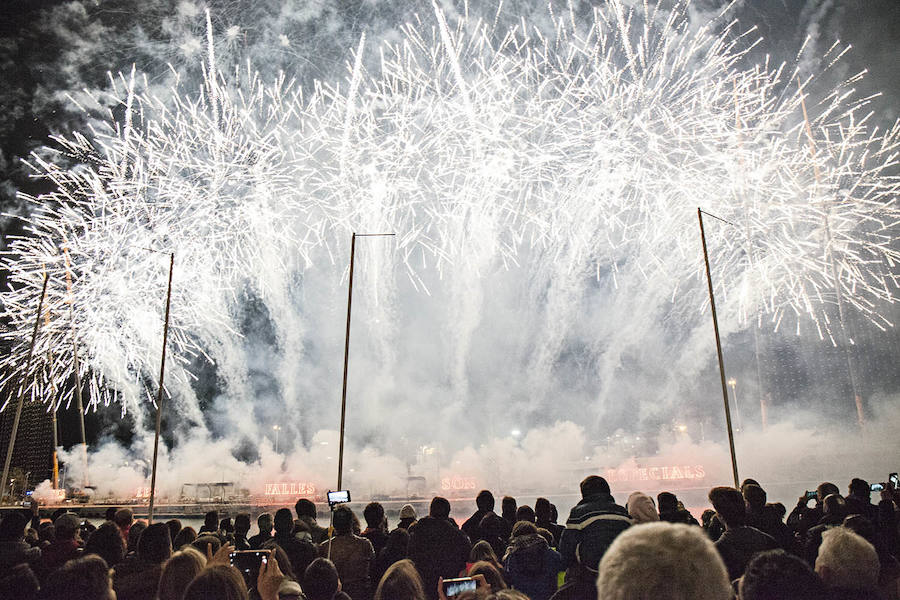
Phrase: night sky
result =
(49, 49)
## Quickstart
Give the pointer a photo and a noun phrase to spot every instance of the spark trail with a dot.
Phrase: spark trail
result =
(584, 150)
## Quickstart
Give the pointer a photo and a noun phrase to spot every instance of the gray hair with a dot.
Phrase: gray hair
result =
(663, 560)
(847, 560)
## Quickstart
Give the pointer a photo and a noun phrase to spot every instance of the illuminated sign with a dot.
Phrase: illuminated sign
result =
(142, 492)
(293, 488)
(457, 483)
(667, 473)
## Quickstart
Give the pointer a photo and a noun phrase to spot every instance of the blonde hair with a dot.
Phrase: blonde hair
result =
(178, 572)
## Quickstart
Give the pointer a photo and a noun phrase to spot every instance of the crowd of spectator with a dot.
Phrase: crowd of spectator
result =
(838, 548)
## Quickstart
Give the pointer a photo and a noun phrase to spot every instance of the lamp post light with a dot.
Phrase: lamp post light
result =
(737, 409)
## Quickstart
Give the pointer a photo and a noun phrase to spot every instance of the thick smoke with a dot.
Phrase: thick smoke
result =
(439, 380)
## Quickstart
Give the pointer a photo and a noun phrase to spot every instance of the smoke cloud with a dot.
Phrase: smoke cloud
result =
(591, 369)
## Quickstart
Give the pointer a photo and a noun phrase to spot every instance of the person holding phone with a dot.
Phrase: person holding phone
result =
(222, 580)
(351, 554)
(859, 500)
(803, 517)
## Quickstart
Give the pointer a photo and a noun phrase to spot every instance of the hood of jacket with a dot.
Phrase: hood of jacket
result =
(528, 552)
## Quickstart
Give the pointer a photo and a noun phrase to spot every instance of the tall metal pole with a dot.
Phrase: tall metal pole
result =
(15, 427)
(85, 479)
(53, 390)
(55, 444)
(346, 363)
(355, 235)
(712, 303)
(159, 395)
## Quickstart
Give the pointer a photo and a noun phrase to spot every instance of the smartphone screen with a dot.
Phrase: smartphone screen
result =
(248, 563)
(455, 587)
(895, 479)
(877, 487)
(339, 497)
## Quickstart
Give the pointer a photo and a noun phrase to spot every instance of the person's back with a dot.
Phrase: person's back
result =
(531, 565)
(833, 513)
(210, 523)
(670, 512)
(300, 552)
(508, 508)
(592, 526)
(66, 546)
(543, 513)
(859, 500)
(376, 526)
(396, 549)
(138, 579)
(739, 543)
(321, 581)
(351, 554)
(437, 547)
(84, 578)
(241, 529)
(494, 532)
(306, 512)
(124, 520)
(803, 517)
(13, 549)
(484, 502)
(265, 522)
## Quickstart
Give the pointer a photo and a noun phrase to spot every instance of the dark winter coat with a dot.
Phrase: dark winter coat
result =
(438, 549)
(532, 566)
(14, 553)
(472, 526)
(678, 515)
(378, 537)
(299, 551)
(259, 539)
(592, 526)
(737, 546)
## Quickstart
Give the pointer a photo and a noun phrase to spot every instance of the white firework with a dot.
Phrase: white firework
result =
(589, 147)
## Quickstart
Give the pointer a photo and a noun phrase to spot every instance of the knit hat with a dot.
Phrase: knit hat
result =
(641, 508)
(407, 512)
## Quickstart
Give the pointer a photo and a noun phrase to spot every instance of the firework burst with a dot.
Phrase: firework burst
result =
(587, 147)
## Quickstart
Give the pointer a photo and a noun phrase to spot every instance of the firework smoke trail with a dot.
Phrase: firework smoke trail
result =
(584, 151)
